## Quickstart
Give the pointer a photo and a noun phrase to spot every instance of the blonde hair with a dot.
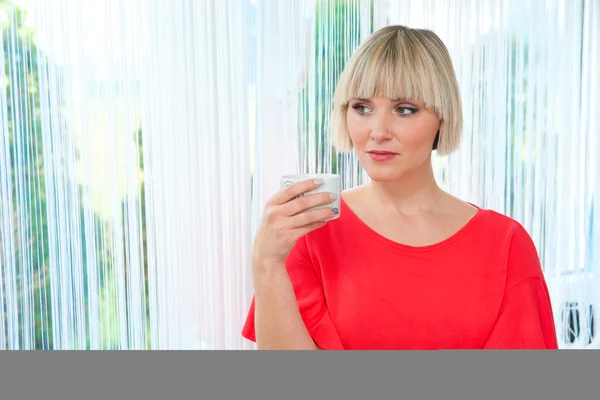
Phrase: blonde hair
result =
(401, 63)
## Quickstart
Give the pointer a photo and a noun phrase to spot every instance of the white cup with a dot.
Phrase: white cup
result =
(331, 184)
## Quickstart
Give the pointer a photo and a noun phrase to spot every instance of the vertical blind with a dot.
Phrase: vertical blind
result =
(139, 140)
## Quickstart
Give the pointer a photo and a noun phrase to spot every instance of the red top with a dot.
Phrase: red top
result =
(481, 288)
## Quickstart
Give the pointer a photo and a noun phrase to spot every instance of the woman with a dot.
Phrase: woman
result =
(407, 265)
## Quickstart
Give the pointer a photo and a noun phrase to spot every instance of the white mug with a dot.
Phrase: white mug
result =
(331, 184)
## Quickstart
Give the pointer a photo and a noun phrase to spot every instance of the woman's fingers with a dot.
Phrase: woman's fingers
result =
(303, 203)
(294, 190)
(288, 216)
(310, 217)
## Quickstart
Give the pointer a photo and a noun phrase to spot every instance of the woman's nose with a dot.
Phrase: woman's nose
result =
(381, 130)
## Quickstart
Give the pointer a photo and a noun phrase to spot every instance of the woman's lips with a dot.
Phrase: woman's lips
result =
(381, 155)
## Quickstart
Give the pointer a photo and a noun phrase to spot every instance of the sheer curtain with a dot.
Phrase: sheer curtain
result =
(125, 174)
(139, 140)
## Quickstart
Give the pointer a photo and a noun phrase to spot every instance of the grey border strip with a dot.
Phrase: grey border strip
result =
(231, 375)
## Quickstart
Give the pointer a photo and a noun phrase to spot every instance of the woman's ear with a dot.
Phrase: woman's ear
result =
(436, 140)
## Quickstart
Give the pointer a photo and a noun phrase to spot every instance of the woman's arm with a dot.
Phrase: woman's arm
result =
(286, 219)
(289, 309)
(525, 320)
(279, 324)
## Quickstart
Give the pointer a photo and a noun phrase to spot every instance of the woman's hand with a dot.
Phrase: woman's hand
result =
(285, 220)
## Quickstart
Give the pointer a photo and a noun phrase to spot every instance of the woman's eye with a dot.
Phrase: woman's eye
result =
(361, 108)
(406, 110)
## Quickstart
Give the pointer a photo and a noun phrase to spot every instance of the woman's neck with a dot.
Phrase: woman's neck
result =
(414, 192)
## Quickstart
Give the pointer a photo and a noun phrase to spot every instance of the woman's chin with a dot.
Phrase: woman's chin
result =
(377, 175)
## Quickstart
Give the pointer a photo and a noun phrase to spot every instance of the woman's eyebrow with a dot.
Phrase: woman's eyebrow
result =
(399, 99)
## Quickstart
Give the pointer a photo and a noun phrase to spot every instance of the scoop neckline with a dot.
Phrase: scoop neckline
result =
(405, 247)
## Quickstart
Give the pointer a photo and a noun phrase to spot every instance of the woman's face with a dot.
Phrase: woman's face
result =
(391, 137)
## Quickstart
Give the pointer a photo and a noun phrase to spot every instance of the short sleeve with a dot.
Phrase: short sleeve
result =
(525, 319)
(311, 301)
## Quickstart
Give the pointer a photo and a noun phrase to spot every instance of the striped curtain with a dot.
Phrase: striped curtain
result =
(124, 174)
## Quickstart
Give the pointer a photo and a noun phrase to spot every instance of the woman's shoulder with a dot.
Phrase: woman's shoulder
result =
(522, 258)
(495, 222)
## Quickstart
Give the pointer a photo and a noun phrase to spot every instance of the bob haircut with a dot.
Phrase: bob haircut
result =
(401, 63)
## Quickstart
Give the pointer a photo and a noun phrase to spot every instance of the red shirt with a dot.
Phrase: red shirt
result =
(481, 288)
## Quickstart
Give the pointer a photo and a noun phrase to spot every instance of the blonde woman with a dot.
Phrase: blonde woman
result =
(407, 265)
